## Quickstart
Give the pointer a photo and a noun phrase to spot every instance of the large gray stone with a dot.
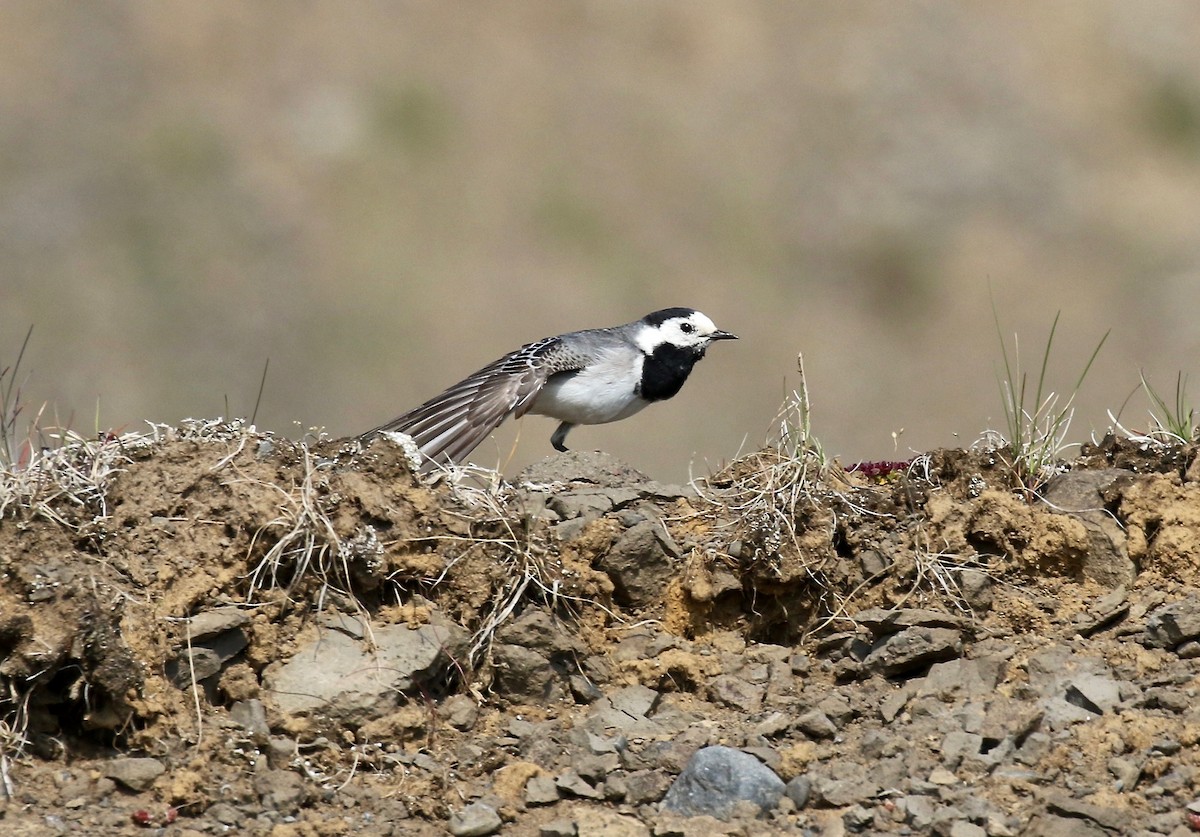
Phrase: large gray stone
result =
(524, 674)
(963, 678)
(717, 779)
(641, 563)
(1174, 624)
(843, 783)
(137, 774)
(340, 677)
(210, 623)
(913, 650)
(1072, 687)
(1081, 495)
(884, 622)
(475, 820)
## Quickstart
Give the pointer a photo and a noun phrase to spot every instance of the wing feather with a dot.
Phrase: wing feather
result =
(449, 426)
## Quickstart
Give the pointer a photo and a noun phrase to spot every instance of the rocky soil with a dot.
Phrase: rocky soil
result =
(207, 630)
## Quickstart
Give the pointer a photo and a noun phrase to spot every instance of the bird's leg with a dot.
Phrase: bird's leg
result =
(558, 440)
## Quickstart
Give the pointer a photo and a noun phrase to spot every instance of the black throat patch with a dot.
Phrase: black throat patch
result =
(665, 370)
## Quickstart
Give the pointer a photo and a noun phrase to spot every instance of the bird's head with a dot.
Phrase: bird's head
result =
(684, 328)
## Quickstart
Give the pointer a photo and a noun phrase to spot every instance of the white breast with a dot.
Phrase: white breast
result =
(601, 393)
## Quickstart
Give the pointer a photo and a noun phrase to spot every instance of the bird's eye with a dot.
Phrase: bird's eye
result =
(687, 328)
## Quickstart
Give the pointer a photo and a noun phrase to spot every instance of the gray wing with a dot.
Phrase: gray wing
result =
(449, 426)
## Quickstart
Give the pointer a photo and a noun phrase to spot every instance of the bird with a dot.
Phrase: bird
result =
(593, 376)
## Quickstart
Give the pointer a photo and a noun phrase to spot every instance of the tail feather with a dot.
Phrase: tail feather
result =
(449, 426)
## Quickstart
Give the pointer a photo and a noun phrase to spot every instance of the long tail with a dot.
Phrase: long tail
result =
(449, 426)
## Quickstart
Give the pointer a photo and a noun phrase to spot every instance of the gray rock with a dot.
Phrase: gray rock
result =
(717, 778)
(798, 790)
(963, 678)
(575, 785)
(1094, 692)
(1073, 687)
(962, 828)
(843, 784)
(1109, 820)
(891, 705)
(1033, 749)
(591, 468)
(799, 663)
(641, 564)
(194, 666)
(881, 622)
(349, 624)
(213, 622)
(596, 469)
(251, 716)
(873, 562)
(524, 674)
(816, 724)
(459, 711)
(736, 693)
(280, 790)
(858, 817)
(643, 786)
(767, 755)
(1174, 624)
(635, 701)
(836, 708)
(598, 744)
(281, 751)
(1081, 495)
(919, 811)
(959, 744)
(671, 755)
(541, 790)
(774, 724)
(1103, 613)
(476, 820)
(1010, 719)
(225, 814)
(540, 631)
(912, 650)
(595, 767)
(643, 645)
(1125, 771)
(137, 774)
(976, 586)
(583, 689)
(341, 678)
(209, 641)
(878, 743)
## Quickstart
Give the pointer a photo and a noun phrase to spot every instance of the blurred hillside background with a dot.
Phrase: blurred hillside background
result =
(382, 197)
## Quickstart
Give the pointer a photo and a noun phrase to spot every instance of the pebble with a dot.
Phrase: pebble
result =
(816, 724)
(574, 784)
(137, 774)
(541, 790)
(476, 820)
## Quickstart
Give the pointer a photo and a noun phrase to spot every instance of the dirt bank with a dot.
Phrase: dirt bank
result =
(210, 630)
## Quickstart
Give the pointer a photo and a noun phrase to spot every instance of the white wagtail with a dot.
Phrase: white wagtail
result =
(584, 377)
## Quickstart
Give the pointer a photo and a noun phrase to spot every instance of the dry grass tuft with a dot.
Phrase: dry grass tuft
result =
(528, 565)
(66, 483)
(301, 540)
(765, 494)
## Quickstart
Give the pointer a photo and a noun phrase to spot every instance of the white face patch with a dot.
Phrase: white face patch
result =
(694, 330)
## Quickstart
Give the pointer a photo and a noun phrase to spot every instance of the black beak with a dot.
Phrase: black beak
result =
(722, 335)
